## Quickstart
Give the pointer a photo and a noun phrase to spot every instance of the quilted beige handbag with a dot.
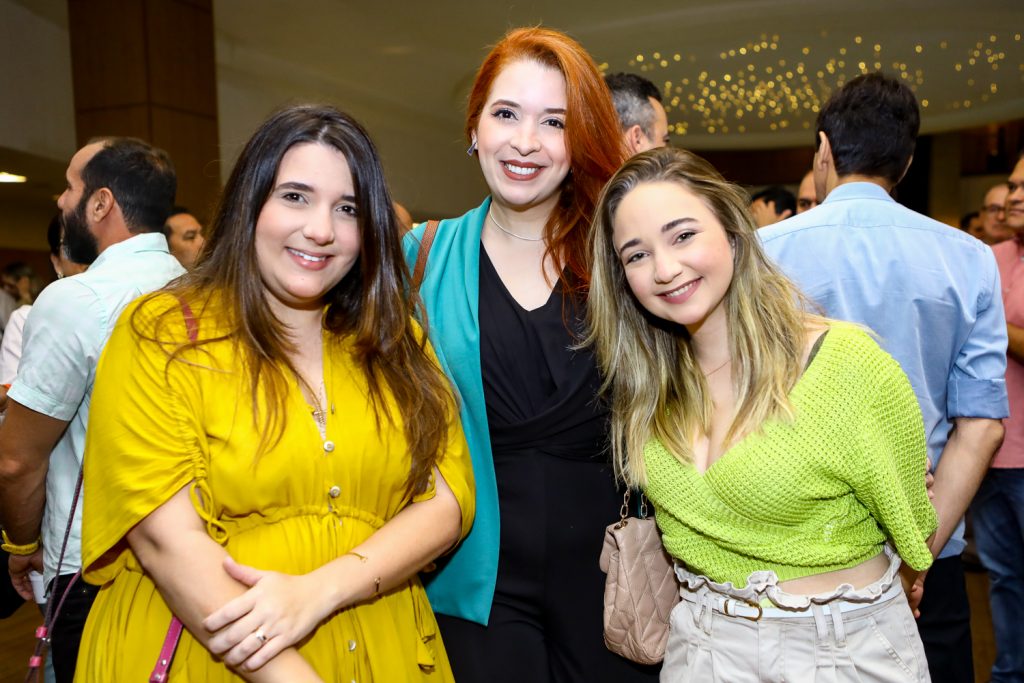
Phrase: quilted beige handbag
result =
(641, 588)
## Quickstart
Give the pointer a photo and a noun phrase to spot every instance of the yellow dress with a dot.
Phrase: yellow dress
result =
(155, 427)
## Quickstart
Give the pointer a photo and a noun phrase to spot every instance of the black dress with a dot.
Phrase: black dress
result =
(556, 493)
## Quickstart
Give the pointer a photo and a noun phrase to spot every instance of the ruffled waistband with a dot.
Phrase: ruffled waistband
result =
(764, 585)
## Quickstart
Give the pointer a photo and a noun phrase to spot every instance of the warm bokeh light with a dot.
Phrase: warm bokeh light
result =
(749, 84)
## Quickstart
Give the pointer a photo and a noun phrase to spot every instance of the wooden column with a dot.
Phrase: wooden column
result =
(145, 68)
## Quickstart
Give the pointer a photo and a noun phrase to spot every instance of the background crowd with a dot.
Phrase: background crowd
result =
(310, 441)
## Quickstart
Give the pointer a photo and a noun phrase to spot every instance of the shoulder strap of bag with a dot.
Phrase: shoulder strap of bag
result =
(421, 257)
(170, 645)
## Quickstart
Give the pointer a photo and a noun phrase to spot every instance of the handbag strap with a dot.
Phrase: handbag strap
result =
(53, 603)
(421, 258)
(641, 506)
(170, 646)
(163, 662)
(191, 324)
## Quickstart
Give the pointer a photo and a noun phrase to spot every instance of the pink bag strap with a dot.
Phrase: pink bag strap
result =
(163, 662)
(191, 324)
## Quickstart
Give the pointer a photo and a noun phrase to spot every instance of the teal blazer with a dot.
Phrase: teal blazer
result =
(463, 586)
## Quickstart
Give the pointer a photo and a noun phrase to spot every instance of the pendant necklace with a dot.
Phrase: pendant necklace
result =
(319, 413)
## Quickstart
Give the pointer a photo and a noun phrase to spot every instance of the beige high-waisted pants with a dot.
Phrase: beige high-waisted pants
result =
(720, 634)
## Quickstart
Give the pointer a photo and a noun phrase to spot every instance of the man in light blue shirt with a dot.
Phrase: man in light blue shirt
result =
(932, 294)
(119, 192)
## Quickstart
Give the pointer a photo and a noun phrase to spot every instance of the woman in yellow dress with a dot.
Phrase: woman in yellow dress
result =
(273, 453)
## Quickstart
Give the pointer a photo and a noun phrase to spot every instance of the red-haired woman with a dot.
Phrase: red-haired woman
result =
(504, 287)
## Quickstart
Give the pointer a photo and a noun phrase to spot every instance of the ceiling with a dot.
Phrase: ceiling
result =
(735, 74)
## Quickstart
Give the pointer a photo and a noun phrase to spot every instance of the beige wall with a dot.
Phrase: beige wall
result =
(37, 122)
(427, 172)
(36, 108)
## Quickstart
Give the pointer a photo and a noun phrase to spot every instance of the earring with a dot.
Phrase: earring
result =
(472, 148)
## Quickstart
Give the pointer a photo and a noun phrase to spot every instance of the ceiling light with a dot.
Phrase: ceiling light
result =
(6, 177)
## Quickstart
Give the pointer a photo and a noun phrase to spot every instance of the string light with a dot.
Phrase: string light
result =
(743, 93)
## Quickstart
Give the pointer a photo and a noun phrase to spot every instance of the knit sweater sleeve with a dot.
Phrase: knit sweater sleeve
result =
(888, 472)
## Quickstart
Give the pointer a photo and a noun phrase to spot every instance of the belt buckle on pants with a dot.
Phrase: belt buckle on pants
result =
(745, 603)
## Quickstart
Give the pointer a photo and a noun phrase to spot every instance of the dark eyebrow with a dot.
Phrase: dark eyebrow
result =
(676, 223)
(303, 187)
(665, 228)
(510, 103)
(293, 185)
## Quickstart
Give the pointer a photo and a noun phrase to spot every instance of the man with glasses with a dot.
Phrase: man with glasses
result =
(993, 216)
(998, 509)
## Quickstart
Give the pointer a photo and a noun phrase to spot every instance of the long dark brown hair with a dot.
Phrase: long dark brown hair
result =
(370, 304)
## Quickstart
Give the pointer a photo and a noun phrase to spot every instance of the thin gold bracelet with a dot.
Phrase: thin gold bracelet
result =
(376, 579)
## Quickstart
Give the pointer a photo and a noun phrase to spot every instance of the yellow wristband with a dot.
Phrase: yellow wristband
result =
(15, 549)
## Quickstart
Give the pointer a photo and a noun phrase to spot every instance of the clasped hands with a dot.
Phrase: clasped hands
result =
(913, 582)
(277, 611)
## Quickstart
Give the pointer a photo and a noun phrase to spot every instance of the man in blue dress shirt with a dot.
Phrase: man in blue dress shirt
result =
(932, 294)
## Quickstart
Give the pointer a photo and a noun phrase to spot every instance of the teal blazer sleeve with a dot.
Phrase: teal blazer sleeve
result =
(463, 585)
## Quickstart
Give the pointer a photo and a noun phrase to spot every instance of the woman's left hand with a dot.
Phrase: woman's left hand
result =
(913, 586)
(929, 481)
(276, 612)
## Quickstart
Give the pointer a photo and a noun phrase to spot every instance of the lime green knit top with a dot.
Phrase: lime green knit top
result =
(819, 493)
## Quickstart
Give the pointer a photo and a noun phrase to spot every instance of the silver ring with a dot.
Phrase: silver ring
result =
(259, 636)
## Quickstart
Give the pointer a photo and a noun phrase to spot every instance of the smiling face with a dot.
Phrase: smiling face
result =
(307, 236)
(676, 255)
(521, 136)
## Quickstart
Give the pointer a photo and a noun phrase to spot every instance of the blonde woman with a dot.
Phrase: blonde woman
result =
(784, 453)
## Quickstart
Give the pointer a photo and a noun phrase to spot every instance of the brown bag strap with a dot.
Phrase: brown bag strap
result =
(421, 257)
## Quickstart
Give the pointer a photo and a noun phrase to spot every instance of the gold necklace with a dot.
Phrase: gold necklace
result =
(708, 374)
(512, 234)
(319, 414)
(320, 411)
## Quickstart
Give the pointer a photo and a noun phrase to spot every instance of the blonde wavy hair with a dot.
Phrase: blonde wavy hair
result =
(655, 386)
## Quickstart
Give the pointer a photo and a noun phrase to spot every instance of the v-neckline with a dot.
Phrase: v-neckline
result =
(484, 256)
(325, 382)
(816, 349)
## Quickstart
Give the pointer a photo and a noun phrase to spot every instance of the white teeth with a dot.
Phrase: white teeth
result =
(306, 257)
(685, 288)
(520, 170)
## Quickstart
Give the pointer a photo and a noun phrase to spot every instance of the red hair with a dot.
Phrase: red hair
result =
(593, 138)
